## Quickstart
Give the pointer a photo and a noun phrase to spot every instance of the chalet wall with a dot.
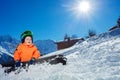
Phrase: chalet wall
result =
(67, 44)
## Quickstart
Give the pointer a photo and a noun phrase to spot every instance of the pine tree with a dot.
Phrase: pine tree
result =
(118, 22)
(91, 33)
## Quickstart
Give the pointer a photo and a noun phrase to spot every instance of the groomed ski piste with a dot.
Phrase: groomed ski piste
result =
(97, 58)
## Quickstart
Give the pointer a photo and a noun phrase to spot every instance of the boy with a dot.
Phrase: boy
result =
(26, 52)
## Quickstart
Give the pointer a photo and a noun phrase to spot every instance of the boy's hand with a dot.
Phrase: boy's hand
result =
(32, 61)
(17, 63)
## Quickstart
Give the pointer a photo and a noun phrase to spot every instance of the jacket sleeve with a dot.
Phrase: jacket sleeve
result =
(36, 54)
(17, 54)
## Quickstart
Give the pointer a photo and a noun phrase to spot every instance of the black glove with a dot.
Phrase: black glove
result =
(32, 61)
(17, 63)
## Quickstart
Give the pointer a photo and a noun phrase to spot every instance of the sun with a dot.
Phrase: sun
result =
(80, 8)
(83, 6)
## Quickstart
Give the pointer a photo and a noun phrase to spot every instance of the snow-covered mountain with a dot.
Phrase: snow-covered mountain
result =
(97, 58)
(7, 47)
(8, 43)
(46, 46)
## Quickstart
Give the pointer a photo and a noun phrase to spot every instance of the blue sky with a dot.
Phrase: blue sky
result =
(52, 19)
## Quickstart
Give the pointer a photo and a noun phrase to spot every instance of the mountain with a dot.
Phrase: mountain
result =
(97, 58)
(9, 43)
(7, 47)
(46, 46)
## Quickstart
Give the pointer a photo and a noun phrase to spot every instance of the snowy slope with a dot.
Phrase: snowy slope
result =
(97, 58)
(5, 57)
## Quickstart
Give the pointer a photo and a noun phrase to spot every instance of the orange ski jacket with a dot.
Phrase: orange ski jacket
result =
(25, 53)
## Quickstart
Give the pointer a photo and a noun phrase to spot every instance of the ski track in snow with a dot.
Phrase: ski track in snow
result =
(89, 60)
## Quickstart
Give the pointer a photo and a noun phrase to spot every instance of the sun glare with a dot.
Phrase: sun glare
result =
(80, 8)
(83, 6)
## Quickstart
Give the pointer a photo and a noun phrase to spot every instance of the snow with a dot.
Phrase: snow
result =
(2, 50)
(97, 58)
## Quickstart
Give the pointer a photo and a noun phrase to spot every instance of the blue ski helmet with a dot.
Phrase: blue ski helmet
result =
(25, 34)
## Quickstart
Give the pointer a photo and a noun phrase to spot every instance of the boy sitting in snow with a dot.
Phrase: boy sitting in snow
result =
(26, 52)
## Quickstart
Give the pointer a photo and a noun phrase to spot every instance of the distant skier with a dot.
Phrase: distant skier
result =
(26, 52)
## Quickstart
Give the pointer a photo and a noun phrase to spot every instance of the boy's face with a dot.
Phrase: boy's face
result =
(28, 40)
